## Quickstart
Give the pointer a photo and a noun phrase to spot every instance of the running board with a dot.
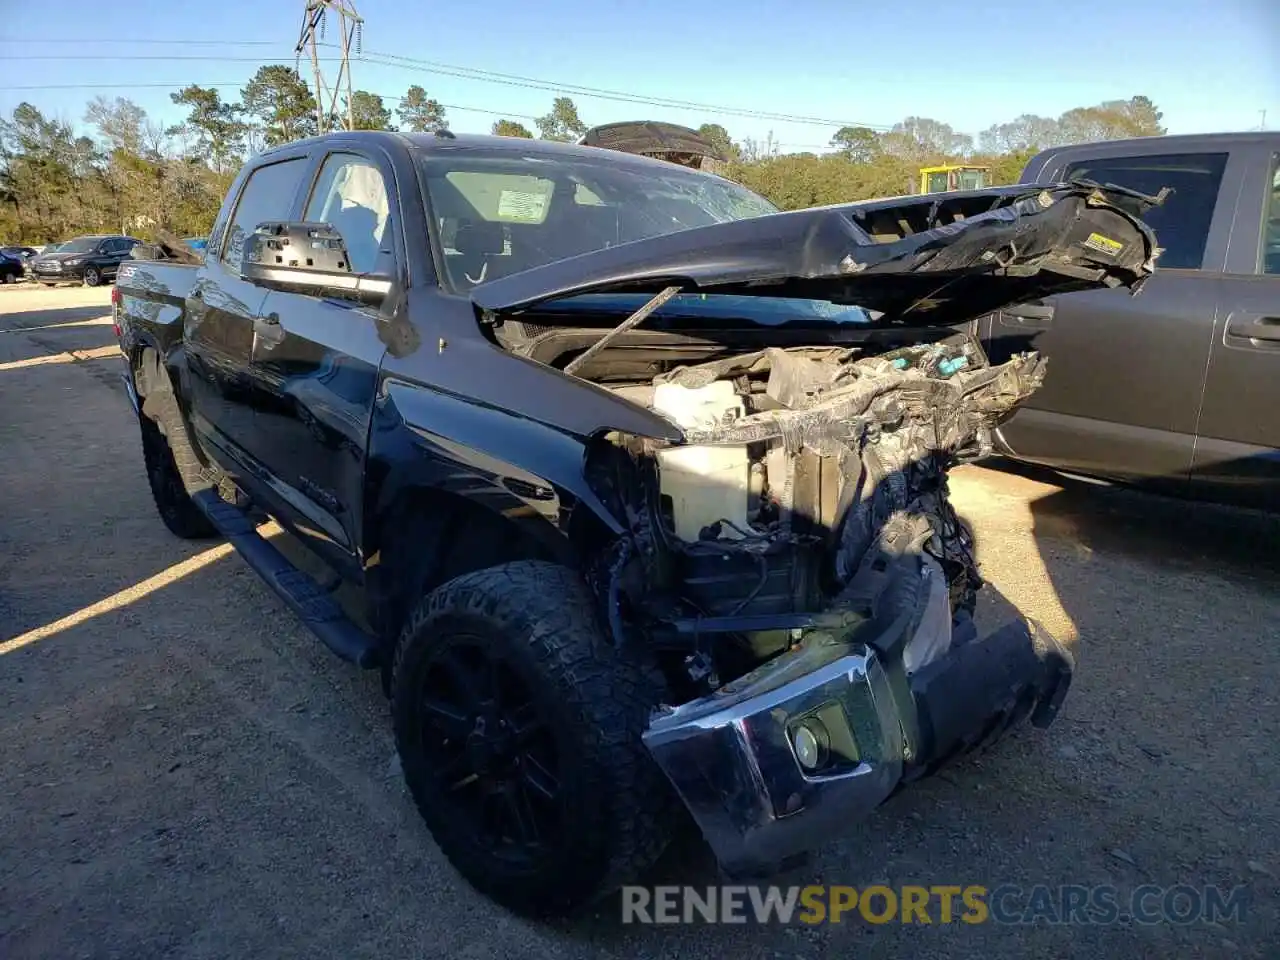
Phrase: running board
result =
(310, 601)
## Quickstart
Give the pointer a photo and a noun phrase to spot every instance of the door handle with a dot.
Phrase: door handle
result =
(1254, 328)
(1027, 315)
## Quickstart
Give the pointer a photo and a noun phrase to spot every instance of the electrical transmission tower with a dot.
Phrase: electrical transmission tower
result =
(310, 38)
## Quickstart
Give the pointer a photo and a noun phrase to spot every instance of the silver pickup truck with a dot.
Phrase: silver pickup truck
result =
(1179, 388)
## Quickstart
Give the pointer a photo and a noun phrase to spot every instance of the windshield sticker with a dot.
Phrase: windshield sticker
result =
(522, 206)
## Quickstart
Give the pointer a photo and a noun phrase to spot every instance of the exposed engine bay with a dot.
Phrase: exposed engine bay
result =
(808, 488)
(802, 468)
(767, 517)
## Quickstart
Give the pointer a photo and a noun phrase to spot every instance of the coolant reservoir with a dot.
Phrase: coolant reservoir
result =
(705, 483)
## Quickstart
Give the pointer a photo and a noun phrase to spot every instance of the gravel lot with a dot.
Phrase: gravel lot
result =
(186, 773)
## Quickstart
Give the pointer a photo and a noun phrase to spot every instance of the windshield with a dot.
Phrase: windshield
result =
(80, 245)
(500, 215)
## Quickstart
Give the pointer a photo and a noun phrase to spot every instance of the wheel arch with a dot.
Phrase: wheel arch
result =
(145, 363)
(421, 536)
(452, 486)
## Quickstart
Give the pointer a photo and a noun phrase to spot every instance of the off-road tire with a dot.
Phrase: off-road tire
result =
(617, 802)
(172, 466)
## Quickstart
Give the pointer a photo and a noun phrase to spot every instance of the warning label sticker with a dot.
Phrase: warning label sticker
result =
(522, 205)
(1103, 244)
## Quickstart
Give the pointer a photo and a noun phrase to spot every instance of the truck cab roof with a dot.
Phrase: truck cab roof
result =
(430, 143)
(1177, 143)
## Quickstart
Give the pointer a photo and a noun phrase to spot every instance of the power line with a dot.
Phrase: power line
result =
(458, 71)
(172, 85)
(179, 84)
(150, 41)
(166, 57)
(386, 99)
(511, 79)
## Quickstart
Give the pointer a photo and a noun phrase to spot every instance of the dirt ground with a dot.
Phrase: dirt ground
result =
(186, 773)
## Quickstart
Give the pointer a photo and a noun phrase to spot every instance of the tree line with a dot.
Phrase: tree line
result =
(132, 175)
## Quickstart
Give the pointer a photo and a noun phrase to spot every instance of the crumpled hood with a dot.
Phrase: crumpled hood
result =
(1026, 243)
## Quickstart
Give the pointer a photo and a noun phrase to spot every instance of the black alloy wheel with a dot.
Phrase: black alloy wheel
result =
(518, 725)
(492, 748)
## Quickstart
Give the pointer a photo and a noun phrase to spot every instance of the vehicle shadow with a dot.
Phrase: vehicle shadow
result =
(1166, 530)
(50, 317)
(32, 334)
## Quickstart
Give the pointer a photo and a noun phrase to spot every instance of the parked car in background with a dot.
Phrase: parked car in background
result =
(1177, 388)
(19, 251)
(11, 268)
(87, 260)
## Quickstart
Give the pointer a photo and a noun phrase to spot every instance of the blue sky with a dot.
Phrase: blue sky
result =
(1208, 65)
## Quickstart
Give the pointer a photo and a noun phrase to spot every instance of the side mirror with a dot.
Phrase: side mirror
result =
(309, 258)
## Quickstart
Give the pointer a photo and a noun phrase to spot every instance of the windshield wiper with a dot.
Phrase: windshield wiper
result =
(630, 323)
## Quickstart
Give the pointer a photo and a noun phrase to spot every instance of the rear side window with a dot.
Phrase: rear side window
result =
(1181, 223)
(268, 195)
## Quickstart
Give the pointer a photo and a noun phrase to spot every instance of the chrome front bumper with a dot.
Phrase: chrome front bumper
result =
(731, 758)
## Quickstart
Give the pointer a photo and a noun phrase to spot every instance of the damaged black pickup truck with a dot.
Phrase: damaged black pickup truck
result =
(641, 483)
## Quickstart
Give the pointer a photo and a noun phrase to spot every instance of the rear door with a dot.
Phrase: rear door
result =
(221, 312)
(1237, 456)
(1126, 373)
(316, 360)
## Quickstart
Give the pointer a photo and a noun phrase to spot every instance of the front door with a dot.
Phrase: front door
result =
(1237, 455)
(220, 314)
(318, 360)
(1125, 373)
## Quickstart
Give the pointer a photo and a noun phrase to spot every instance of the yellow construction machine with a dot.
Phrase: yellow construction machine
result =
(953, 177)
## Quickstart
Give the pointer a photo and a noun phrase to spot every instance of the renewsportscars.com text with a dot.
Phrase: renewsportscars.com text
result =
(934, 904)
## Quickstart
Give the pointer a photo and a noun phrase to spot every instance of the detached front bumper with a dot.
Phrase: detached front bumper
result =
(734, 756)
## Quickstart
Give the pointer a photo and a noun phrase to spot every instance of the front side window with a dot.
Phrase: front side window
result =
(268, 195)
(350, 196)
(1270, 253)
(1181, 223)
(80, 245)
(501, 215)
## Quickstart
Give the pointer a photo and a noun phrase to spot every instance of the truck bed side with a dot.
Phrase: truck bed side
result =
(151, 306)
